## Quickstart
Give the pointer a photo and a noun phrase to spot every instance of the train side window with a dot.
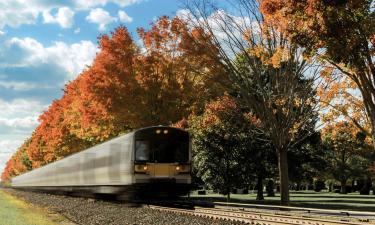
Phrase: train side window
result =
(142, 150)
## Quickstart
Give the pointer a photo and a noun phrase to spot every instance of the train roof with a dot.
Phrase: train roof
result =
(159, 126)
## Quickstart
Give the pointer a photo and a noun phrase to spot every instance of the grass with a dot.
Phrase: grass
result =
(310, 199)
(16, 212)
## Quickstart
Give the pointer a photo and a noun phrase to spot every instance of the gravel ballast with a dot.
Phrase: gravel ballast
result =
(85, 211)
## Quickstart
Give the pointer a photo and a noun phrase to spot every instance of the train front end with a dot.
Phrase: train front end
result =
(162, 161)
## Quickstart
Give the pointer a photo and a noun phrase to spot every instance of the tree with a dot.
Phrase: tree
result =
(174, 81)
(345, 153)
(126, 88)
(341, 33)
(274, 85)
(341, 100)
(306, 160)
(229, 150)
(218, 137)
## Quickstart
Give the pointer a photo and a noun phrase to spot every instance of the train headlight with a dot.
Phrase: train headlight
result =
(141, 169)
(165, 132)
(182, 169)
(158, 131)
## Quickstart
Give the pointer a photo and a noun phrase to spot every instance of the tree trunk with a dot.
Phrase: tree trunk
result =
(284, 177)
(343, 187)
(260, 188)
(298, 187)
(330, 187)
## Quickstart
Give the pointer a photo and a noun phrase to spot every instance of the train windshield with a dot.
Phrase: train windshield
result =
(162, 145)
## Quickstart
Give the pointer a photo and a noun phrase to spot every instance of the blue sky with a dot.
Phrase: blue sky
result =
(45, 43)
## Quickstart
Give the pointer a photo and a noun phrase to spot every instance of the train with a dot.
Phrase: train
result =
(151, 161)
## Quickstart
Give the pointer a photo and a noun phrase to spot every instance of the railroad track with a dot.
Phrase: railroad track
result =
(254, 217)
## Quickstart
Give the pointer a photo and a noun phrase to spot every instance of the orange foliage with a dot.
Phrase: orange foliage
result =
(220, 110)
(125, 88)
(174, 71)
(342, 101)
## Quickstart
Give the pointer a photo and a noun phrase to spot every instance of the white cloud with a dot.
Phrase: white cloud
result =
(30, 53)
(26, 122)
(125, 18)
(20, 107)
(64, 17)
(6, 146)
(92, 3)
(20, 86)
(76, 31)
(227, 28)
(184, 14)
(2, 33)
(73, 58)
(14, 13)
(101, 17)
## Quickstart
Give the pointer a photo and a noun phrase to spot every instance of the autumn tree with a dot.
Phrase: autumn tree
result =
(273, 79)
(341, 100)
(227, 148)
(173, 81)
(341, 33)
(127, 87)
(346, 153)
(18, 163)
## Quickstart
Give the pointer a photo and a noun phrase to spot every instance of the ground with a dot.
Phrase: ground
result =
(28, 208)
(17, 212)
(311, 199)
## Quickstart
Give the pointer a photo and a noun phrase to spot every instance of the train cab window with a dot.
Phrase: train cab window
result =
(169, 151)
(182, 152)
(142, 150)
(162, 145)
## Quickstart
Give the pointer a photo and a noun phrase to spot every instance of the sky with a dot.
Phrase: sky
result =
(46, 43)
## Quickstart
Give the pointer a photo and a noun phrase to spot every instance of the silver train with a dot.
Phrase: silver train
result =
(149, 161)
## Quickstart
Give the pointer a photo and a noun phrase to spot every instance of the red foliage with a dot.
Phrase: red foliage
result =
(125, 88)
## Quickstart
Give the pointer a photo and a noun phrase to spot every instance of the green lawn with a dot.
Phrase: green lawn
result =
(311, 199)
(16, 212)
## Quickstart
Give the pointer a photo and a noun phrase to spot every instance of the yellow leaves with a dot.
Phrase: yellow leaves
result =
(341, 100)
(297, 102)
(326, 74)
(295, 128)
(259, 52)
(281, 55)
(280, 101)
(275, 58)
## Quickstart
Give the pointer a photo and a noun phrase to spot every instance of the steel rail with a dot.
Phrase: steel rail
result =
(252, 217)
(302, 209)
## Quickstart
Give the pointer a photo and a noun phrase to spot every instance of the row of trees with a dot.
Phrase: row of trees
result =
(127, 87)
(231, 152)
(248, 81)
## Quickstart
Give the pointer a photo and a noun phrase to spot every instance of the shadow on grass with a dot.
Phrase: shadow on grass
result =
(338, 201)
(341, 196)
